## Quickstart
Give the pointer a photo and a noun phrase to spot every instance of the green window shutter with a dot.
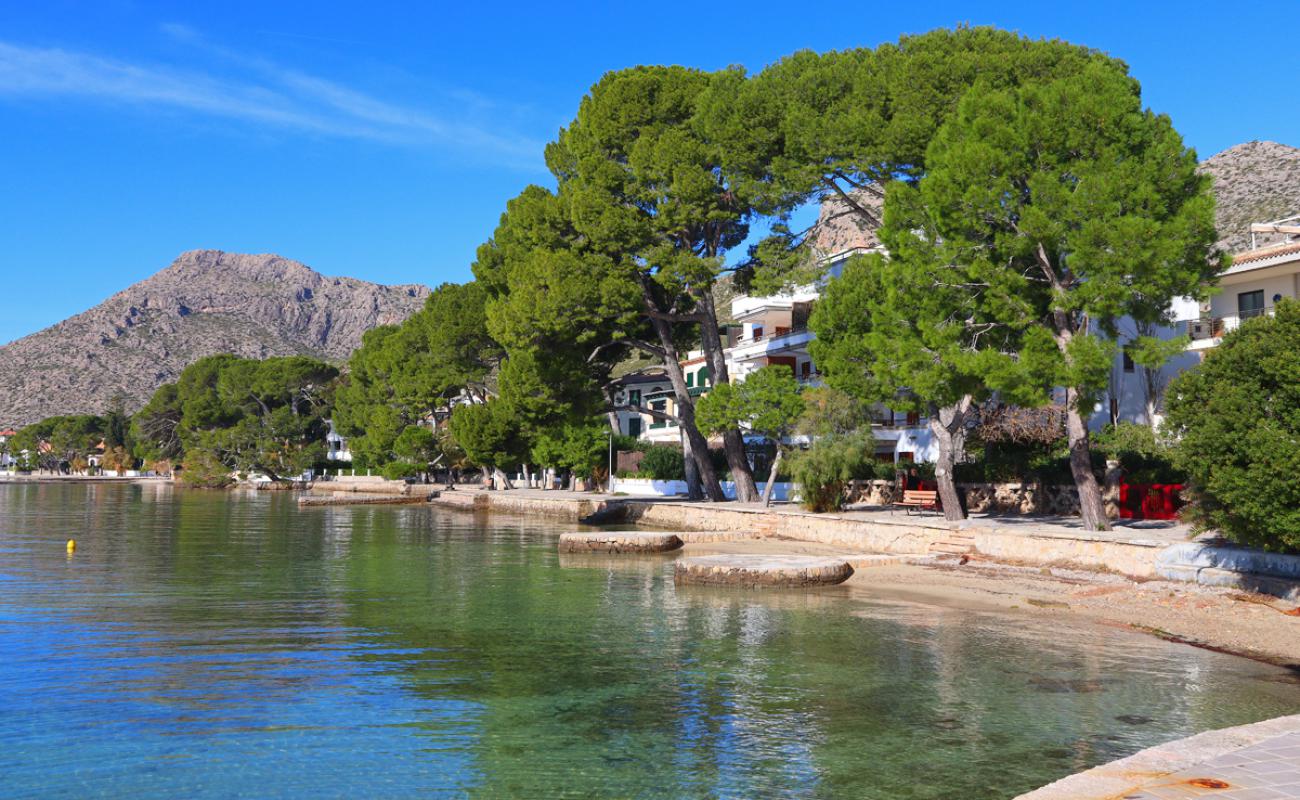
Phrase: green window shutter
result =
(704, 376)
(690, 379)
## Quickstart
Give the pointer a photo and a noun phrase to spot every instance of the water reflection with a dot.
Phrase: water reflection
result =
(207, 644)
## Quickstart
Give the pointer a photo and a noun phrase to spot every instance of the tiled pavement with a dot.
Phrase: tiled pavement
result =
(1269, 770)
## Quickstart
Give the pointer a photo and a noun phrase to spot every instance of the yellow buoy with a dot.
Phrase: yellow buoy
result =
(72, 545)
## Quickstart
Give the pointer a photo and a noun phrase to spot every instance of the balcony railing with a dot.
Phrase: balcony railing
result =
(1215, 327)
(775, 334)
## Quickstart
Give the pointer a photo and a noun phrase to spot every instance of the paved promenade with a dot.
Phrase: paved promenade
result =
(1250, 762)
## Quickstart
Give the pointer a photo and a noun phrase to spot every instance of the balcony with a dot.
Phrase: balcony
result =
(779, 339)
(1206, 332)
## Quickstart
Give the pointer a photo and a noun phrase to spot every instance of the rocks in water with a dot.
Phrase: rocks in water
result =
(762, 570)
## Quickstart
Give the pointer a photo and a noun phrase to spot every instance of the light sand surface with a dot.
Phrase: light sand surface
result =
(1260, 627)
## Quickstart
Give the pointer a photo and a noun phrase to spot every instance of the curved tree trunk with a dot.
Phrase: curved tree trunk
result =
(686, 413)
(1091, 505)
(733, 442)
(771, 477)
(948, 425)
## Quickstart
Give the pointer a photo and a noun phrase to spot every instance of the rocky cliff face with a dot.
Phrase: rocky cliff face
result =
(206, 302)
(1253, 182)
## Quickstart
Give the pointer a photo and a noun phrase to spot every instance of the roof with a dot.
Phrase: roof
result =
(642, 377)
(1262, 253)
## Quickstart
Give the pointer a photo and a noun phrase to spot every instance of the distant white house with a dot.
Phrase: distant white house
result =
(768, 330)
(7, 458)
(336, 447)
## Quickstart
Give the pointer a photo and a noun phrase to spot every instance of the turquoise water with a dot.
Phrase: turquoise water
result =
(210, 645)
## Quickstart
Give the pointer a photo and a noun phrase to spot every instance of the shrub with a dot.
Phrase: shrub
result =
(662, 462)
(885, 470)
(825, 469)
(1143, 457)
(1236, 421)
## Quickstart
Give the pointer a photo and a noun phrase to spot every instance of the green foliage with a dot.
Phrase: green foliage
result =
(835, 122)
(397, 470)
(1057, 207)
(662, 462)
(56, 441)
(416, 445)
(1236, 421)
(1133, 446)
(489, 434)
(824, 470)
(264, 416)
(767, 402)
(204, 470)
(402, 373)
(583, 449)
(831, 412)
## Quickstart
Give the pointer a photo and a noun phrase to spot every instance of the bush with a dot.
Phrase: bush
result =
(662, 462)
(825, 469)
(885, 470)
(1236, 421)
(1142, 456)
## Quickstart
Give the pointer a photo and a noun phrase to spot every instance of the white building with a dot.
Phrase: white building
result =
(336, 447)
(768, 330)
(1257, 280)
(7, 458)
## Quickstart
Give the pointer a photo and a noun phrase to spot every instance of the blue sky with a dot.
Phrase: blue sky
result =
(381, 140)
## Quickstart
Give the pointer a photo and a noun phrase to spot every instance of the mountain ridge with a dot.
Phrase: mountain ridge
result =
(204, 302)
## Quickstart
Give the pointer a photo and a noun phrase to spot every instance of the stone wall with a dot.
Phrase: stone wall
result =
(1000, 498)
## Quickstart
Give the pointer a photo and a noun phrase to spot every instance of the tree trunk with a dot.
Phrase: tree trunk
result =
(691, 468)
(501, 478)
(771, 477)
(686, 413)
(948, 425)
(733, 442)
(1091, 506)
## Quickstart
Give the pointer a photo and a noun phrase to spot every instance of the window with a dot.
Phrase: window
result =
(805, 369)
(690, 380)
(1128, 362)
(634, 397)
(634, 426)
(1250, 304)
(659, 405)
(758, 332)
(704, 377)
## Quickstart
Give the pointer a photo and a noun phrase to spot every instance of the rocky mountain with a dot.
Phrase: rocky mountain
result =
(206, 302)
(1253, 182)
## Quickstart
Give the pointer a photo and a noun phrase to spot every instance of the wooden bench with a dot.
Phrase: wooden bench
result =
(919, 499)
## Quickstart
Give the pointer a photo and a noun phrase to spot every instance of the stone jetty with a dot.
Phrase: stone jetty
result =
(620, 542)
(762, 570)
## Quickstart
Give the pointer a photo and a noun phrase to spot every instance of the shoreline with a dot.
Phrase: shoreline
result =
(1064, 574)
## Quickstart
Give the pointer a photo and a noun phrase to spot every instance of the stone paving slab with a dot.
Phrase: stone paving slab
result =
(1268, 770)
(1248, 762)
(620, 542)
(762, 570)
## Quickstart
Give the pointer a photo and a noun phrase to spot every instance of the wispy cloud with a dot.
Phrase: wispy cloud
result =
(270, 95)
